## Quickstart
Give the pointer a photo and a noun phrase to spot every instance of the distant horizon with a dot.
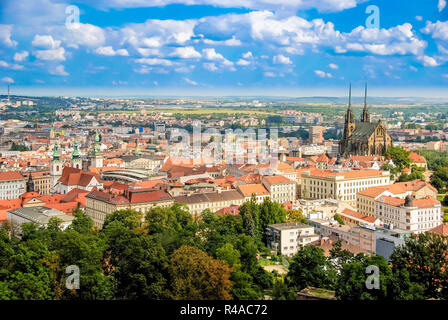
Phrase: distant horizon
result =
(277, 93)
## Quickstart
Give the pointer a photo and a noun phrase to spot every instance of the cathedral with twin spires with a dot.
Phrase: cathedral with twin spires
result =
(363, 138)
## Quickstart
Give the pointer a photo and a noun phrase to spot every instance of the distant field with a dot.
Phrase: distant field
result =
(199, 111)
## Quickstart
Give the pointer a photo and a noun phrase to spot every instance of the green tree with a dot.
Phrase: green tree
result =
(194, 275)
(425, 258)
(310, 267)
(399, 156)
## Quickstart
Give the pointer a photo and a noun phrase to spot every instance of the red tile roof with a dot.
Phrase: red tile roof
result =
(10, 175)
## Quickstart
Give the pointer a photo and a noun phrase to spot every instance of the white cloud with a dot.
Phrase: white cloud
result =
(5, 36)
(109, 51)
(229, 42)
(52, 54)
(20, 56)
(155, 33)
(51, 48)
(322, 74)
(194, 83)
(243, 62)
(84, 35)
(269, 74)
(13, 66)
(413, 68)
(281, 59)
(45, 42)
(441, 5)
(248, 55)
(211, 55)
(210, 66)
(333, 66)
(288, 5)
(185, 53)
(146, 52)
(154, 61)
(438, 30)
(429, 61)
(59, 71)
(7, 80)
(418, 18)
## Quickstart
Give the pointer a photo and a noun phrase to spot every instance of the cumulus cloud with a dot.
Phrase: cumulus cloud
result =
(13, 66)
(321, 5)
(229, 42)
(20, 56)
(5, 36)
(281, 59)
(243, 62)
(322, 74)
(185, 53)
(429, 61)
(7, 80)
(154, 62)
(333, 66)
(438, 30)
(189, 81)
(109, 51)
(50, 49)
(210, 66)
(441, 5)
(59, 71)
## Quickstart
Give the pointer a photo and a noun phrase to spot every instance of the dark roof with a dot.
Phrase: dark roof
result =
(363, 130)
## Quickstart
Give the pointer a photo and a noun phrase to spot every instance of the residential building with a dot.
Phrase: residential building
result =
(258, 190)
(99, 204)
(316, 135)
(287, 238)
(365, 199)
(281, 188)
(12, 185)
(214, 201)
(415, 215)
(340, 184)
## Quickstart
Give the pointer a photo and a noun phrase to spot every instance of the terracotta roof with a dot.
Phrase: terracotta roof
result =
(148, 196)
(352, 174)
(427, 202)
(76, 177)
(147, 184)
(441, 229)
(277, 180)
(233, 210)
(248, 189)
(323, 158)
(10, 175)
(416, 158)
(357, 215)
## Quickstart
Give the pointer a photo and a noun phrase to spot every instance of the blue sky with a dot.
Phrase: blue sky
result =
(223, 47)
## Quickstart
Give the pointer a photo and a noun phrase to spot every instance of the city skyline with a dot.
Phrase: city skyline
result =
(239, 48)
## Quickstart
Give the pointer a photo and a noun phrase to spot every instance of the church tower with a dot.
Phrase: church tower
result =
(55, 168)
(30, 184)
(365, 117)
(76, 159)
(349, 117)
(96, 156)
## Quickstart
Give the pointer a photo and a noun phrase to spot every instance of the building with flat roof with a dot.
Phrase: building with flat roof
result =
(287, 238)
(39, 215)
